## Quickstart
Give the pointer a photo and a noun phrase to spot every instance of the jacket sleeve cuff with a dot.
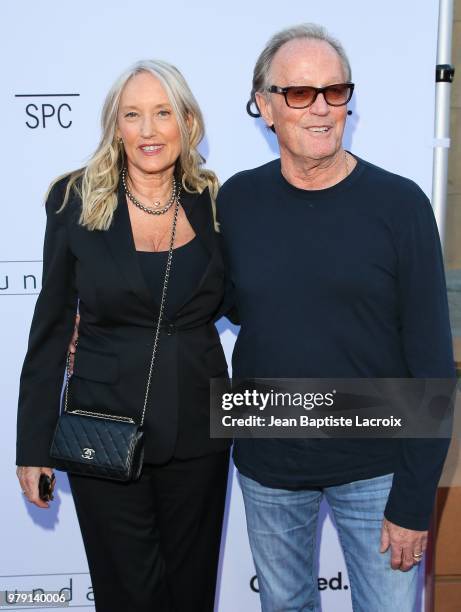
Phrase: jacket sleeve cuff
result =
(418, 522)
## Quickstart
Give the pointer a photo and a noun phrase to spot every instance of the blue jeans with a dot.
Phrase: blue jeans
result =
(282, 527)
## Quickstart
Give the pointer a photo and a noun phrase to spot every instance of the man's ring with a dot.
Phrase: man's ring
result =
(417, 556)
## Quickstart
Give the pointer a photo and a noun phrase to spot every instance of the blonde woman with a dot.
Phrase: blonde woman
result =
(153, 543)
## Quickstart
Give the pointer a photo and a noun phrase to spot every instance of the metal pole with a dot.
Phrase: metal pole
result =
(444, 78)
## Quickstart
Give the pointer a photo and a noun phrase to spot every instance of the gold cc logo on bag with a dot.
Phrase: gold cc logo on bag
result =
(88, 453)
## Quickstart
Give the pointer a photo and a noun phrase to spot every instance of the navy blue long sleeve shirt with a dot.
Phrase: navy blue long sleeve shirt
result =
(342, 282)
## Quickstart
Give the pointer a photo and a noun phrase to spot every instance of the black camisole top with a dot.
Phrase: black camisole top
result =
(187, 268)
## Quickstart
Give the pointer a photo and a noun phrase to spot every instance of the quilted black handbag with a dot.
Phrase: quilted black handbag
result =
(98, 446)
(103, 445)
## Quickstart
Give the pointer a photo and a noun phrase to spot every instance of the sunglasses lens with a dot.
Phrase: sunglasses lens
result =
(300, 97)
(336, 95)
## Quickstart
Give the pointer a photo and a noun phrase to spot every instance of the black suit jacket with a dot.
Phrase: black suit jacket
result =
(99, 272)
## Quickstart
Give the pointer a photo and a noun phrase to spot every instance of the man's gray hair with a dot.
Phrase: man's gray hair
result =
(309, 31)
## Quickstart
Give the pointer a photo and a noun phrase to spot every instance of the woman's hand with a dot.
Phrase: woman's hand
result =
(73, 345)
(28, 479)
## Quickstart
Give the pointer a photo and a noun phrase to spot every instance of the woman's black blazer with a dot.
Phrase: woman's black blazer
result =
(98, 271)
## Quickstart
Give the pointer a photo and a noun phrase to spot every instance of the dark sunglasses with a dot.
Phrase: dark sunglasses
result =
(302, 96)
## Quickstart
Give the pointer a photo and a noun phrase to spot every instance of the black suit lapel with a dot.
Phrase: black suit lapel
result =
(199, 215)
(119, 239)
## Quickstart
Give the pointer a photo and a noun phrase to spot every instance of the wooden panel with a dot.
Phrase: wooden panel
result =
(452, 247)
(456, 61)
(457, 10)
(451, 475)
(454, 156)
(447, 596)
(448, 535)
(457, 351)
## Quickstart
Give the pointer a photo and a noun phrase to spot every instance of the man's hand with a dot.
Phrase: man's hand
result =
(407, 545)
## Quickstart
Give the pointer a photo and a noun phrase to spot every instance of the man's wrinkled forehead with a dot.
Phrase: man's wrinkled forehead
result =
(303, 61)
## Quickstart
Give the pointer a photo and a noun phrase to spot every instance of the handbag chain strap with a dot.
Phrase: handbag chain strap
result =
(162, 306)
(156, 336)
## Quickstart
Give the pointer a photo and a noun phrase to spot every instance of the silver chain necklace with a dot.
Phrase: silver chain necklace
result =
(149, 209)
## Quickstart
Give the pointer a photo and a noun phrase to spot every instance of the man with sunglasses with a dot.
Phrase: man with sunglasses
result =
(337, 273)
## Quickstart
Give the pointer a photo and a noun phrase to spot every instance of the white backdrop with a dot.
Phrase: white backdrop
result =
(79, 48)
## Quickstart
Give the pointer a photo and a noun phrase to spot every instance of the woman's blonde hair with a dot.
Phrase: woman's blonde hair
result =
(97, 182)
